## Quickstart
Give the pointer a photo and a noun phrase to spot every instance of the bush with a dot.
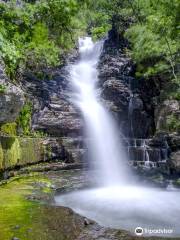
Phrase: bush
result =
(24, 119)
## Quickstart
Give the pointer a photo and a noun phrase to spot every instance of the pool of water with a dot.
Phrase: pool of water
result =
(155, 210)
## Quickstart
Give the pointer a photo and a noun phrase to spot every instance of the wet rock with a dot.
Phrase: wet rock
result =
(118, 93)
(117, 86)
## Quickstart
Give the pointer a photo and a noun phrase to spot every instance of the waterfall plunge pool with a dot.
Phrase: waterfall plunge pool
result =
(128, 207)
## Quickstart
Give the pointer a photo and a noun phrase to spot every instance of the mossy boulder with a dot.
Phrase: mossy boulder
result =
(16, 151)
(9, 128)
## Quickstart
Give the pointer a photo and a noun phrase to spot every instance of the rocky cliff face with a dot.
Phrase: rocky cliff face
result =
(118, 90)
(11, 98)
(53, 111)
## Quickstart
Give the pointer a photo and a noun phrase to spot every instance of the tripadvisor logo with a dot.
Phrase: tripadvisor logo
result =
(139, 231)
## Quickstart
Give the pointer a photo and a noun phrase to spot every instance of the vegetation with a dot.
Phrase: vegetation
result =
(2, 88)
(154, 37)
(173, 123)
(152, 29)
(35, 34)
(9, 128)
(24, 119)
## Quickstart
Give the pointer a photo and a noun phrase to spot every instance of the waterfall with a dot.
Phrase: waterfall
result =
(105, 147)
(113, 201)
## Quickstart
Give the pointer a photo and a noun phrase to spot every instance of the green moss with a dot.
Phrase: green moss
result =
(12, 153)
(9, 128)
(20, 217)
(20, 151)
(1, 156)
(16, 151)
(31, 150)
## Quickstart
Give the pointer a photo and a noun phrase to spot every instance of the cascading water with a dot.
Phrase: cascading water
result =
(115, 203)
(104, 145)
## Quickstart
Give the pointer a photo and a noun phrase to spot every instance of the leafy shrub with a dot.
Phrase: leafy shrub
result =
(41, 52)
(24, 119)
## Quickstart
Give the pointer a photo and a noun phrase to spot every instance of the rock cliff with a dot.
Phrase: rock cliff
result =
(11, 98)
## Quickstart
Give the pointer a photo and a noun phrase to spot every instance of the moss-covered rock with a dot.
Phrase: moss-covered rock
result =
(9, 128)
(32, 151)
(11, 152)
(1, 156)
(20, 151)
(16, 151)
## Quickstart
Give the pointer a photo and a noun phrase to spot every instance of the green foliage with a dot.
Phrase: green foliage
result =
(173, 123)
(99, 32)
(151, 27)
(39, 134)
(24, 119)
(35, 34)
(154, 37)
(95, 19)
(8, 128)
(176, 95)
(2, 88)
(41, 52)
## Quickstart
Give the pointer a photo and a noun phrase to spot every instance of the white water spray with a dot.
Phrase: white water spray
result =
(104, 145)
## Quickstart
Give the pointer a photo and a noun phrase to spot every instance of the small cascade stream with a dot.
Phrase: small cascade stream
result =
(114, 201)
